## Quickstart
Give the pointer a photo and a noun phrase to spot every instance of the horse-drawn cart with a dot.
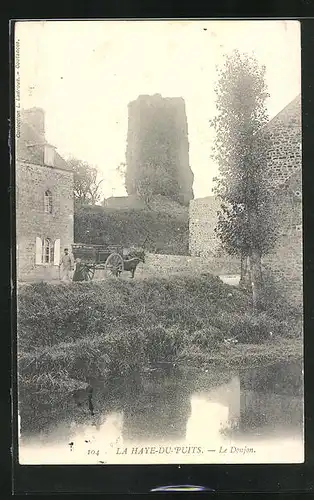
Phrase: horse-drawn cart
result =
(112, 259)
(90, 258)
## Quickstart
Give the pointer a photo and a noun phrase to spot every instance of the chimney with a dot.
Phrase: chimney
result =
(36, 118)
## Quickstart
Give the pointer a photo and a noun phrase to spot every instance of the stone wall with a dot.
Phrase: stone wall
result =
(286, 260)
(286, 266)
(31, 220)
(157, 143)
(285, 132)
(285, 170)
(164, 265)
(202, 221)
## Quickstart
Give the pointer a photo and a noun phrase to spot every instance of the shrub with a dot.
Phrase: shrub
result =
(162, 344)
(251, 328)
(125, 350)
(254, 328)
(167, 232)
(275, 301)
(82, 360)
(208, 338)
(193, 354)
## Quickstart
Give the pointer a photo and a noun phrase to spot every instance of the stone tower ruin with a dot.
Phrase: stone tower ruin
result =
(157, 143)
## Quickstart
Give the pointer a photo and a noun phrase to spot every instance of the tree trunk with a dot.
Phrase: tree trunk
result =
(255, 264)
(255, 269)
(245, 282)
(242, 269)
(242, 273)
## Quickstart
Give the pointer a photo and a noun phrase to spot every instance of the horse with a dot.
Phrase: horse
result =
(131, 265)
(131, 261)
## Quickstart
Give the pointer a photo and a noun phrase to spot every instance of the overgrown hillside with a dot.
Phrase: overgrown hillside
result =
(72, 334)
(165, 225)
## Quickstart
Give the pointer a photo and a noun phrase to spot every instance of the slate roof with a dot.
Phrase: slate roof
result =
(29, 147)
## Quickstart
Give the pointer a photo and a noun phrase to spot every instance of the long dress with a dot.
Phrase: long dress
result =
(78, 274)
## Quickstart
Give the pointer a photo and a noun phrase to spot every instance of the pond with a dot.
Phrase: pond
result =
(175, 415)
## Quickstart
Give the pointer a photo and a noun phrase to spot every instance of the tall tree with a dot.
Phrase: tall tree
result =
(245, 224)
(86, 183)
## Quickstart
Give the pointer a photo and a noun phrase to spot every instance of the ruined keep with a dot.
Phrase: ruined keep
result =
(157, 154)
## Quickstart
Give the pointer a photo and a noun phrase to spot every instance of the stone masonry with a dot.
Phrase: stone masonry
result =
(158, 135)
(202, 222)
(285, 168)
(36, 224)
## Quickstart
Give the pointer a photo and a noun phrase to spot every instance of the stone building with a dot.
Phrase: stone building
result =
(44, 201)
(158, 139)
(202, 222)
(285, 169)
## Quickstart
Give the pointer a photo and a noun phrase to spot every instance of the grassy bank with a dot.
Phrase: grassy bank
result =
(71, 335)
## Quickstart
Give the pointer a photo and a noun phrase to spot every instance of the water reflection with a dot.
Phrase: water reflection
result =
(160, 411)
(272, 399)
(213, 411)
(194, 408)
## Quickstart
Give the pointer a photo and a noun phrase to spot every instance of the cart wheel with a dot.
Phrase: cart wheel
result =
(89, 272)
(114, 264)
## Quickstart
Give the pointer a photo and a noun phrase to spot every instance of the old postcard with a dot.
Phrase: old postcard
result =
(158, 175)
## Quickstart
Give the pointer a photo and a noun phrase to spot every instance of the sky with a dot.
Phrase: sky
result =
(84, 74)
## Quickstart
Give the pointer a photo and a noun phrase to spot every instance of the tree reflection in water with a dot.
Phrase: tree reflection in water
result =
(159, 407)
(160, 410)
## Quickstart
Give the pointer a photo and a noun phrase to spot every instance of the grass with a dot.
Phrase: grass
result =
(70, 335)
(254, 355)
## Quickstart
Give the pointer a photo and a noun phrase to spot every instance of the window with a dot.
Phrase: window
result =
(47, 251)
(48, 202)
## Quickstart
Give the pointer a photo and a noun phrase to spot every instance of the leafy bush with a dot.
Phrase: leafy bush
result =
(275, 301)
(252, 328)
(167, 233)
(207, 338)
(162, 344)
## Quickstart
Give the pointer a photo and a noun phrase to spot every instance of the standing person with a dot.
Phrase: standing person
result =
(66, 263)
(78, 274)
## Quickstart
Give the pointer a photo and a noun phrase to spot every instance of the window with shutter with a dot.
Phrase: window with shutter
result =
(57, 252)
(38, 257)
(47, 251)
